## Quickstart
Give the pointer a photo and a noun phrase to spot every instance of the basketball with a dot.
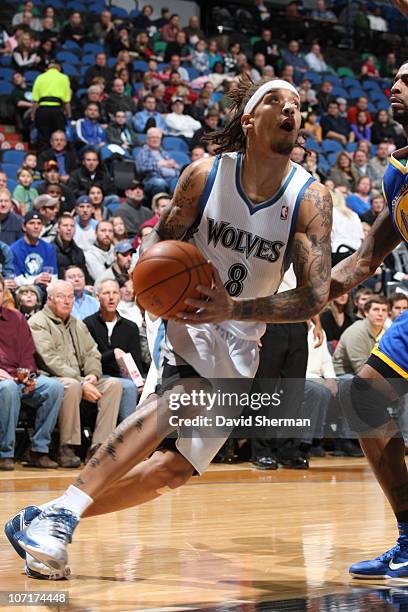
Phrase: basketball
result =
(167, 274)
(400, 210)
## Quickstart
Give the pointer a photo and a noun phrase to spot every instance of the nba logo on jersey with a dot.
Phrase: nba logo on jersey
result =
(284, 213)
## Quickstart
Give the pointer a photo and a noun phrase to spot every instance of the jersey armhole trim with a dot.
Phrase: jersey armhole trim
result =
(208, 185)
(293, 222)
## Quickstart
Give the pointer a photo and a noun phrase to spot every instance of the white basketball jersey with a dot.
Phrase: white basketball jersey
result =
(249, 244)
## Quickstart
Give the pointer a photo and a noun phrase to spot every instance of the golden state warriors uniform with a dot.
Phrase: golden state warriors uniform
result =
(393, 347)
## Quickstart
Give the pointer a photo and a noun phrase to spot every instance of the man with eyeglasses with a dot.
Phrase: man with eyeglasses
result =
(67, 351)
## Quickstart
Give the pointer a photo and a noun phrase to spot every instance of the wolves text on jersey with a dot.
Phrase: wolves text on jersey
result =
(242, 241)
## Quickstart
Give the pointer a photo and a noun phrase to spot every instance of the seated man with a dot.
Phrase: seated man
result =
(52, 177)
(66, 350)
(18, 388)
(84, 304)
(155, 165)
(149, 116)
(35, 261)
(85, 224)
(10, 223)
(134, 209)
(89, 129)
(123, 256)
(115, 336)
(101, 256)
(120, 134)
(60, 152)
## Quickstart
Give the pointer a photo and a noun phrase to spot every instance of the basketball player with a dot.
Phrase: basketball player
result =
(384, 377)
(252, 212)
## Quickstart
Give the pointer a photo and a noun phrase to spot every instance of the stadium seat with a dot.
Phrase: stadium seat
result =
(313, 77)
(69, 70)
(36, 184)
(77, 6)
(340, 92)
(31, 75)
(181, 158)
(119, 12)
(192, 73)
(333, 79)
(159, 47)
(5, 60)
(355, 93)
(324, 165)
(70, 45)
(10, 170)
(13, 157)
(350, 82)
(331, 158)
(351, 147)
(174, 143)
(331, 146)
(134, 13)
(140, 65)
(111, 61)
(6, 74)
(5, 88)
(89, 59)
(69, 58)
(312, 145)
(93, 48)
(11, 184)
(344, 71)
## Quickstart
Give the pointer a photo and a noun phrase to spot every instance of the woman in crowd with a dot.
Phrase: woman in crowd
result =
(383, 130)
(337, 317)
(343, 171)
(361, 130)
(24, 55)
(359, 201)
(119, 229)
(101, 212)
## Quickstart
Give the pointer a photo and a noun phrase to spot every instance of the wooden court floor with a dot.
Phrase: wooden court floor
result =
(235, 539)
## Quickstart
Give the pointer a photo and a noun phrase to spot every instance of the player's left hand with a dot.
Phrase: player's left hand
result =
(217, 306)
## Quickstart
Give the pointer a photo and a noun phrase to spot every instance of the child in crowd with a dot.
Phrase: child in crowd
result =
(24, 193)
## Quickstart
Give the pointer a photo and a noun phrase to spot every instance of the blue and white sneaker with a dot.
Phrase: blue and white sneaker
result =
(47, 536)
(391, 564)
(33, 568)
(17, 523)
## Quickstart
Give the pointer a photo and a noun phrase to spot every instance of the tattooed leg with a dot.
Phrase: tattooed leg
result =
(386, 451)
(146, 481)
(131, 442)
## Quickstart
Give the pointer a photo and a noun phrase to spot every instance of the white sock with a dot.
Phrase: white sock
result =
(73, 499)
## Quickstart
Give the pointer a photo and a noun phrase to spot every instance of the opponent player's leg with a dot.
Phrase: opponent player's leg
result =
(372, 391)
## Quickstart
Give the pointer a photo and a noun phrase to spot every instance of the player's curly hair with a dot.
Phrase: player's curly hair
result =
(232, 137)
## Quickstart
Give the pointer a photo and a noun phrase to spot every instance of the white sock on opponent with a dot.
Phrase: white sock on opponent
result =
(74, 499)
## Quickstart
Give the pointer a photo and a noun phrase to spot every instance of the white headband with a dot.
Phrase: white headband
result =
(264, 89)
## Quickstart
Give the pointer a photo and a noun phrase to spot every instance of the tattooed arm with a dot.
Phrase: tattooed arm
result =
(353, 270)
(311, 257)
(182, 212)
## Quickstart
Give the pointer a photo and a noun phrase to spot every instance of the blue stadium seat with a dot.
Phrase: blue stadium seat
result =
(371, 86)
(351, 147)
(118, 11)
(192, 73)
(372, 108)
(12, 156)
(36, 184)
(31, 75)
(333, 79)
(140, 65)
(142, 138)
(88, 59)
(339, 92)
(112, 61)
(312, 145)
(350, 82)
(181, 158)
(356, 92)
(70, 44)
(73, 5)
(93, 48)
(10, 170)
(5, 88)
(174, 143)
(6, 74)
(331, 146)
(11, 184)
(83, 70)
(69, 70)
(313, 77)
(331, 158)
(5, 60)
(67, 57)
(216, 96)
(135, 13)
(323, 165)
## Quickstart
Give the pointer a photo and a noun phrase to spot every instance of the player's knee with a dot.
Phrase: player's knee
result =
(364, 406)
(172, 470)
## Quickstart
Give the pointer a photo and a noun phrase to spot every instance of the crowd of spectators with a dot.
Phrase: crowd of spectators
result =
(105, 144)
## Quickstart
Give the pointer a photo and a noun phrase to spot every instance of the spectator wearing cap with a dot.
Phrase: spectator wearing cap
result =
(60, 152)
(28, 300)
(48, 208)
(35, 261)
(100, 256)
(179, 124)
(123, 256)
(115, 336)
(17, 350)
(148, 117)
(122, 134)
(89, 129)
(155, 165)
(91, 172)
(10, 223)
(133, 211)
(84, 304)
(52, 178)
(67, 251)
(52, 97)
(85, 224)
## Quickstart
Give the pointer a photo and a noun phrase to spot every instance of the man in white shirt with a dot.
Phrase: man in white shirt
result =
(178, 123)
(315, 59)
(101, 255)
(84, 223)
